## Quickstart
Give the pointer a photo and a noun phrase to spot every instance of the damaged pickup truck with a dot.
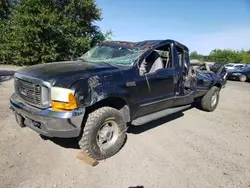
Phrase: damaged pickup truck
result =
(113, 84)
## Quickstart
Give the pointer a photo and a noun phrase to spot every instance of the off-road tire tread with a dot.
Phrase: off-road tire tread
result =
(206, 100)
(90, 122)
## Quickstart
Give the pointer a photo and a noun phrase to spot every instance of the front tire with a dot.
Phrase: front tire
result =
(104, 133)
(210, 101)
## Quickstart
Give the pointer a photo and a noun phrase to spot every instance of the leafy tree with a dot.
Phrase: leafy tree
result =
(6, 7)
(51, 30)
(224, 56)
(194, 55)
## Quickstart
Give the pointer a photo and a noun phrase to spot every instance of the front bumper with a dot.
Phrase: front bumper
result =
(48, 122)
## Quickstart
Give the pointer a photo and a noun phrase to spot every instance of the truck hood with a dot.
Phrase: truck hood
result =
(64, 74)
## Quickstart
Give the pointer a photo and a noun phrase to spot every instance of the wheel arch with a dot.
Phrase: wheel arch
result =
(118, 103)
(217, 84)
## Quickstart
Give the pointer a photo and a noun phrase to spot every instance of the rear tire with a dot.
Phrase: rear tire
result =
(104, 124)
(243, 78)
(210, 101)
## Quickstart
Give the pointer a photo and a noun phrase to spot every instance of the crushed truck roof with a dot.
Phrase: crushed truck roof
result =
(146, 44)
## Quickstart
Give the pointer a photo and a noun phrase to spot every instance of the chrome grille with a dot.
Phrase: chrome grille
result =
(28, 91)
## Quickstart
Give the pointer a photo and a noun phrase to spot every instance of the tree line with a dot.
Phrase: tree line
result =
(35, 31)
(223, 56)
(39, 31)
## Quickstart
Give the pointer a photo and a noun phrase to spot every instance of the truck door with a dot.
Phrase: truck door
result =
(156, 87)
(184, 94)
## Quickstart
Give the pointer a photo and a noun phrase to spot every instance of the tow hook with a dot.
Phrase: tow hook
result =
(19, 119)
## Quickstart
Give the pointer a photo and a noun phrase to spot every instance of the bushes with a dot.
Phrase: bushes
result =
(224, 56)
(35, 31)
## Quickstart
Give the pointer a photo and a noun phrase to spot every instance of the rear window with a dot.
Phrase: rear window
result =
(239, 66)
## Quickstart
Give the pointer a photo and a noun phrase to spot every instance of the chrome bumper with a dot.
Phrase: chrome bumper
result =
(48, 122)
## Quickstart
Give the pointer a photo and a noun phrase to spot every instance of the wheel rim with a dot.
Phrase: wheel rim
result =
(107, 135)
(214, 99)
(242, 78)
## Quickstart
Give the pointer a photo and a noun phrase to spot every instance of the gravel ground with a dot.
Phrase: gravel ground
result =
(189, 149)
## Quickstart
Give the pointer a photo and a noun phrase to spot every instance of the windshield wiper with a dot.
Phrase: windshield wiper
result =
(80, 58)
(110, 64)
(100, 62)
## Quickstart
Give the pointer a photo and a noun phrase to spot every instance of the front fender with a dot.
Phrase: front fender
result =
(94, 89)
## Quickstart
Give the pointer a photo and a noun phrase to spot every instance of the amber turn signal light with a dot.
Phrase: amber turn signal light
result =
(70, 105)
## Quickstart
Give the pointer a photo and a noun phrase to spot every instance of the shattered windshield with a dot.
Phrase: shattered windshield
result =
(114, 55)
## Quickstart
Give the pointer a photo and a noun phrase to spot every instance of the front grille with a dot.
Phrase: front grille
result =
(28, 91)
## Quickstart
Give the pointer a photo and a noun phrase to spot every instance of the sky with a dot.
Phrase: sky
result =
(202, 25)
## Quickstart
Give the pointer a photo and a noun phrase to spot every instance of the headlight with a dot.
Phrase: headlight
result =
(236, 74)
(62, 99)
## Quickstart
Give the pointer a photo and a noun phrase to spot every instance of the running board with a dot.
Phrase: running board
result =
(158, 115)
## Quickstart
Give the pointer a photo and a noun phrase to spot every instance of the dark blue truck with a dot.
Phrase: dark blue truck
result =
(115, 83)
